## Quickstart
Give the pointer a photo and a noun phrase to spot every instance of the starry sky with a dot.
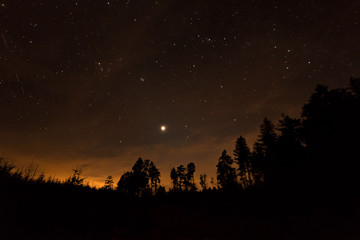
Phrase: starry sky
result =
(89, 83)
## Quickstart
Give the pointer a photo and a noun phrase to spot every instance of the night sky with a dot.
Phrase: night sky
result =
(89, 83)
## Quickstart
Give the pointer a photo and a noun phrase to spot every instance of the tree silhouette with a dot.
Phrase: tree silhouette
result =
(290, 151)
(109, 183)
(203, 183)
(242, 158)
(212, 182)
(190, 182)
(183, 178)
(5, 168)
(226, 174)
(181, 174)
(154, 175)
(41, 178)
(264, 150)
(127, 184)
(140, 175)
(331, 130)
(76, 179)
(174, 179)
(143, 178)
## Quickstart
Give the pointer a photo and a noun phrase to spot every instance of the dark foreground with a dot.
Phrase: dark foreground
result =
(33, 213)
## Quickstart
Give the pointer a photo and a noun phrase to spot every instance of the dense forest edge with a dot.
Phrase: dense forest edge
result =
(295, 166)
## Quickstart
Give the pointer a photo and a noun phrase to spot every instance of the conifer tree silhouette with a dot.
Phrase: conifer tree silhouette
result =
(183, 178)
(154, 175)
(290, 152)
(174, 179)
(203, 183)
(76, 179)
(242, 158)
(190, 181)
(264, 150)
(331, 132)
(109, 183)
(226, 174)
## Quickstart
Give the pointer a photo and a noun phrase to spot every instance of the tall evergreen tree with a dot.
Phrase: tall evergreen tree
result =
(154, 175)
(182, 178)
(126, 184)
(264, 150)
(226, 174)
(140, 176)
(265, 144)
(174, 179)
(290, 152)
(203, 183)
(242, 158)
(190, 181)
(143, 178)
(290, 142)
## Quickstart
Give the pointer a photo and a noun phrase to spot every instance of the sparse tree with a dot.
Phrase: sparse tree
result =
(212, 182)
(181, 174)
(203, 183)
(109, 183)
(5, 168)
(41, 178)
(76, 179)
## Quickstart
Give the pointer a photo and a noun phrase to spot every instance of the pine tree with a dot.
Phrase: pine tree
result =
(154, 175)
(264, 150)
(182, 178)
(242, 158)
(140, 175)
(127, 184)
(190, 181)
(203, 183)
(109, 183)
(286, 169)
(174, 179)
(226, 174)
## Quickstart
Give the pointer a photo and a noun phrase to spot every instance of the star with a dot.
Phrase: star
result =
(163, 128)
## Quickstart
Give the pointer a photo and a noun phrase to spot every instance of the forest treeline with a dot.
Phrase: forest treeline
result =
(317, 152)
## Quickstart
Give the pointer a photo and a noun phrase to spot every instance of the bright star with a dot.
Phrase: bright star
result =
(163, 128)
